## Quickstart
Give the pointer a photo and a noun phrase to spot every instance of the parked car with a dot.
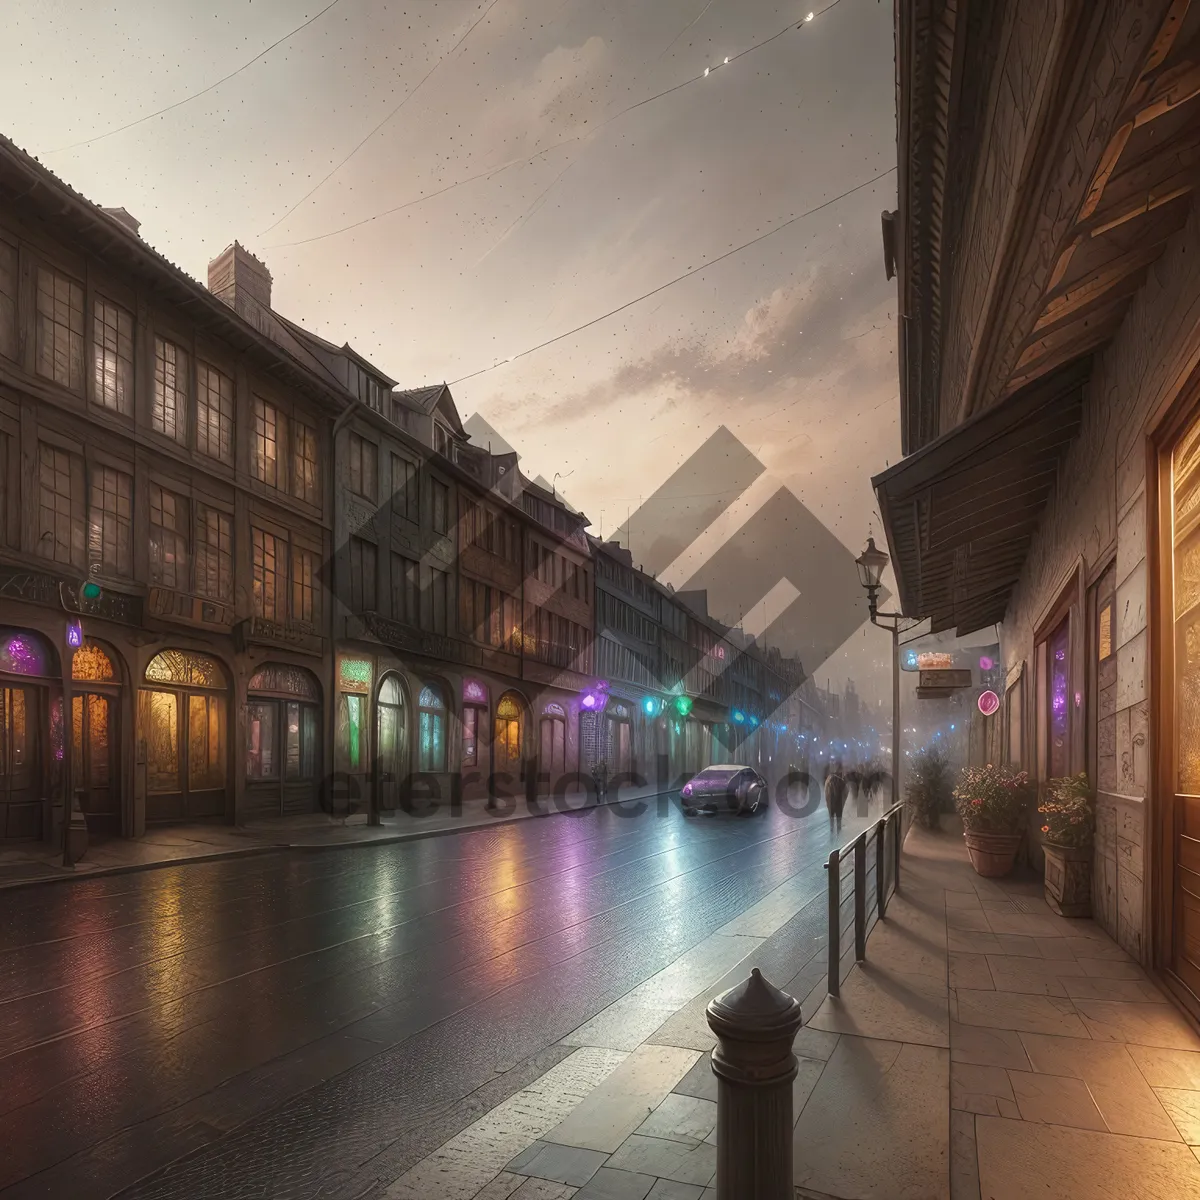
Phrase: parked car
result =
(730, 785)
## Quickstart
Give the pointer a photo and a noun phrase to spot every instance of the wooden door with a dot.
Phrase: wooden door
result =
(20, 763)
(94, 742)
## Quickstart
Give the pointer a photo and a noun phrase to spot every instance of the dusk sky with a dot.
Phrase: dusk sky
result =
(789, 343)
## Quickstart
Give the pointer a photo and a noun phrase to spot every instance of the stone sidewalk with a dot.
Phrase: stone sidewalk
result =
(986, 1050)
(199, 841)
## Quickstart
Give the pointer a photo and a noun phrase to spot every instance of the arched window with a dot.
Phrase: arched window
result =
(431, 711)
(354, 686)
(391, 731)
(89, 662)
(186, 668)
(23, 652)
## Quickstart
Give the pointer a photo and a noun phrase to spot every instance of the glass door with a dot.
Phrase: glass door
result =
(93, 767)
(20, 806)
(392, 737)
(1184, 949)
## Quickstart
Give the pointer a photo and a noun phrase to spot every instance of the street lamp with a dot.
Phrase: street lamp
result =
(870, 565)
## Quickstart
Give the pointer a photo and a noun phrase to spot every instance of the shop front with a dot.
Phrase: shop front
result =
(96, 735)
(183, 716)
(283, 741)
(30, 754)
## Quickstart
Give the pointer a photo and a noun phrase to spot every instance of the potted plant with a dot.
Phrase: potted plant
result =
(928, 793)
(991, 801)
(1068, 826)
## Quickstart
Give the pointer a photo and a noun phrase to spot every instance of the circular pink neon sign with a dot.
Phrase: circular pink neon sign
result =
(988, 703)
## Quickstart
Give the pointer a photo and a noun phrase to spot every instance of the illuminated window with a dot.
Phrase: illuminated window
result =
(206, 742)
(169, 412)
(306, 591)
(431, 710)
(90, 662)
(112, 357)
(214, 413)
(24, 653)
(351, 731)
(393, 730)
(354, 675)
(282, 734)
(270, 435)
(305, 479)
(158, 720)
(214, 553)
(59, 329)
(168, 539)
(262, 760)
(110, 521)
(270, 574)
(507, 734)
(61, 532)
(278, 677)
(185, 667)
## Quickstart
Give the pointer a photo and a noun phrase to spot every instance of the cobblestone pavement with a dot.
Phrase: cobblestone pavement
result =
(291, 1025)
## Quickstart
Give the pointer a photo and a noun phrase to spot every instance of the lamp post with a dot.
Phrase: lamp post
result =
(870, 570)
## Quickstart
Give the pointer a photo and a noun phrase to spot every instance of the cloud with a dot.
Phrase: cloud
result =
(830, 327)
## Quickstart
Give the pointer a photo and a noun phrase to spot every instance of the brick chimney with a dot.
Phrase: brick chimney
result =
(239, 279)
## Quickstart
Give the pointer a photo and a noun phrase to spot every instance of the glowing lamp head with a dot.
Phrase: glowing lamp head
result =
(988, 703)
(90, 591)
(683, 705)
(650, 706)
(590, 701)
(739, 717)
(986, 663)
(754, 721)
(74, 634)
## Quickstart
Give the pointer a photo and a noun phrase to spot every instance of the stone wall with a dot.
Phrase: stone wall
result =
(1100, 507)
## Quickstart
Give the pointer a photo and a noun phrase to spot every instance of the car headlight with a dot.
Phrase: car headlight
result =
(687, 789)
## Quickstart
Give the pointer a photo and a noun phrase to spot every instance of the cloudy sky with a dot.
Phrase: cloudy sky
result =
(790, 343)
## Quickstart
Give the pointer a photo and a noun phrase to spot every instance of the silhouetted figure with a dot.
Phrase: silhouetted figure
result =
(835, 796)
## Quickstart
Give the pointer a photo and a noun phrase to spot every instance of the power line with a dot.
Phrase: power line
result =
(424, 79)
(203, 91)
(858, 187)
(515, 162)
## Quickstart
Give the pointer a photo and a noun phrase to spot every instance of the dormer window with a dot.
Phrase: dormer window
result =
(441, 439)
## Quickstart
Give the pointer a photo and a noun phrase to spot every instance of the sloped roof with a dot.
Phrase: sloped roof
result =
(26, 184)
(423, 399)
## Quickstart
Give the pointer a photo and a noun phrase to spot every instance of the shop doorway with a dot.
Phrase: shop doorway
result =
(283, 741)
(95, 737)
(392, 739)
(508, 738)
(183, 719)
(552, 747)
(28, 667)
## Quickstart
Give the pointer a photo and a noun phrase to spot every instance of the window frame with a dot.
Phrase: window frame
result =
(127, 407)
(76, 352)
(182, 413)
(183, 580)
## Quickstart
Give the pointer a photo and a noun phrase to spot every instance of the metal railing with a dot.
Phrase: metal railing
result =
(869, 902)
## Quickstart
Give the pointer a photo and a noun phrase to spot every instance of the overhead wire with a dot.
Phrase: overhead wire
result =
(678, 278)
(99, 137)
(362, 142)
(532, 157)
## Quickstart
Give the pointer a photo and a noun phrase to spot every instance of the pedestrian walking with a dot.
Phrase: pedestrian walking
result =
(835, 796)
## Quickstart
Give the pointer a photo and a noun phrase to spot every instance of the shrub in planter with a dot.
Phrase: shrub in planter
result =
(928, 793)
(991, 802)
(1068, 827)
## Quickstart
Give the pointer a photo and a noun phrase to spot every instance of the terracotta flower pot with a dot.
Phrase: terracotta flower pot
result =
(992, 854)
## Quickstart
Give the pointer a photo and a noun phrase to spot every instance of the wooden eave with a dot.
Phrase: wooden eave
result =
(961, 511)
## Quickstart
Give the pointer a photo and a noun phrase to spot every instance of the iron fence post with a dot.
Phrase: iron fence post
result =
(860, 897)
(755, 1025)
(880, 867)
(833, 866)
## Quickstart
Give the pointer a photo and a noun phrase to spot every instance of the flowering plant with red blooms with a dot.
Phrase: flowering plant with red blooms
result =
(991, 799)
(1068, 818)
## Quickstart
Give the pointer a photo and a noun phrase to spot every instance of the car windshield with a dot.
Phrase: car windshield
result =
(719, 775)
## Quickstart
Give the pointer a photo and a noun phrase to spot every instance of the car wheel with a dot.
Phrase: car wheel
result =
(688, 811)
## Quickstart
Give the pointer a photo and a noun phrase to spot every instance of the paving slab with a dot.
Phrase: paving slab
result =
(630, 1094)
(1018, 1011)
(666, 1159)
(885, 1003)
(611, 1184)
(558, 1164)
(681, 1119)
(877, 1123)
(1020, 1159)
(1143, 1024)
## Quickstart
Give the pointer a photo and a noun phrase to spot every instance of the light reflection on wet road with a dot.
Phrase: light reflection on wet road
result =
(284, 1019)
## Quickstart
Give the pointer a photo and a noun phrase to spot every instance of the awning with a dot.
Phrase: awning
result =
(961, 511)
